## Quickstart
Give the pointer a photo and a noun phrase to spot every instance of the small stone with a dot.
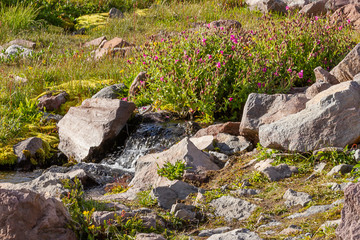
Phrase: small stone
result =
(237, 234)
(296, 198)
(221, 156)
(357, 155)
(342, 168)
(50, 102)
(319, 167)
(246, 192)
(330, 224)
(311, 211)
(204, 142)
(149, 236)
(275, 173)
(18, 50)
(95, 42)
(230, 144)
(210, 232)
(111, 92)
(115, 13)
(292, 229)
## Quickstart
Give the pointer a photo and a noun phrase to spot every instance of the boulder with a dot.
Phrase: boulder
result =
(111, 92)
(182, 211)
(210, 232)
(333, 5)
(294, 198)
(237, 234)
(230, 144)
(232, 208)
(317, 87)
(115, 13)
(331, 118)
(321, 75)
(16, 50)
(95, 42)
(28, 215)
(311, 211)
(341, 168)
(27, 149)
(86, 131)
(149, 236)
(349, 66)
(51, 101)
(204, 142)
(262, 109)
(116, 43)
(350, 214)
(350, 12)
(231, 128)
(146, 167)
(23, 43)
(275, 173)
(316, 8)
(266, 6)
(135, 85)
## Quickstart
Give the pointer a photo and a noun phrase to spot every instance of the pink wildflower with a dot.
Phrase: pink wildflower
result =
(301, 74)
(230, 99)
(218, 65)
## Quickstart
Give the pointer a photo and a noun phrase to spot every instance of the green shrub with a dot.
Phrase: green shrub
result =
(210, 72)
(335, 157)
(172, 171)
(145, 200)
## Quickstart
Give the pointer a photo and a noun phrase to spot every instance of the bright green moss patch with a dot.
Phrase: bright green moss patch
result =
(7, 156)
(92, 20)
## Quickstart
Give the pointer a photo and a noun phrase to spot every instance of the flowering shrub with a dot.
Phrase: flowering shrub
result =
(210, 72)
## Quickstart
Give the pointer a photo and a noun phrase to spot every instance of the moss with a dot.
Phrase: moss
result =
(91, 21)
(7, 156)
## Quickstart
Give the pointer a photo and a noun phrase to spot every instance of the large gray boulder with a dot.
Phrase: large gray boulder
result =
(29, 148)
(262, 109)
(16, 50)
(28, 215)
(350, 214)
(294, 198)
(349, 66)
(331, 118)
(85, 131)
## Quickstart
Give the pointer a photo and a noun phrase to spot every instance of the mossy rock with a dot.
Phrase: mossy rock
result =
(91, 21)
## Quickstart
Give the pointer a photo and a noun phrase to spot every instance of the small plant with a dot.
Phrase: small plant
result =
(119, 186)
(145, 200)
(172, 171)
(336, 157)
(258, 177)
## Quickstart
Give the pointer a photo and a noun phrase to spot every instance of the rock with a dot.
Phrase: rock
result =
(134, 88)
(275, 173)
(349, 66)
(338, 107)
(333, 5)
(340, 187)
(23, 43)
(272, 223)
(330, 224)
(28, 215)
(210, 232)
(227, 24)
(291, 230)
(220, 156)
(266, 6)
(20, 80)
(31, 148)
(319, 167)
(117, 206)
(50, 102)
(237, 234)
(182, 211)
(350, 214)
(357, 155)
(230, 144)
(246, 192)
(165, 196)
(311, 211)
(51, 117)
(115, 13)
(316, 8)
(49, 184)
(321, 75)
(98, 217)
(95, 42)
(294, 198)
(262, 109)
(341, 168)
(204, 142)
(111, 92)
(85, 131)
(327, 150)
(16, 50)
(146, 168)
(316, 88)
(232, 208)
(351, 12)
(231, 128)
(149, 236)
(116, 43)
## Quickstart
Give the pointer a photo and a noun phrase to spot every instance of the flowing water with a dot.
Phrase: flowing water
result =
(148, 138)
